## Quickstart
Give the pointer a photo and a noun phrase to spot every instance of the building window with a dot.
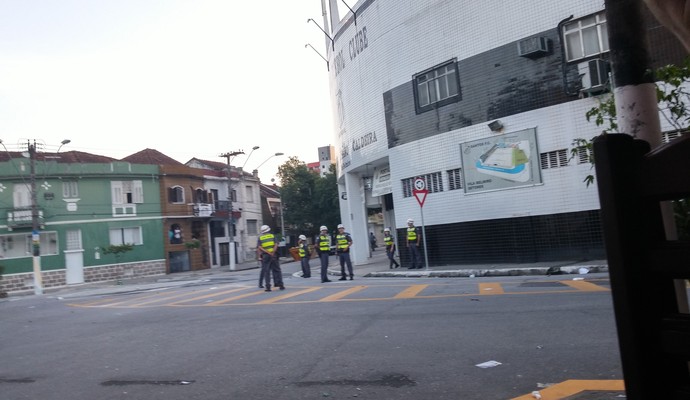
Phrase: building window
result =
(455, 179)
(434, 183)
(251, 227)
(586, 37)
(73, 239)
(200, 196)
(249, 190)
(21, 245)
(176, 195)
(120, 236)
(127, 192)
(437, 87)
(70, 189)
(554, 159)
(670, 135)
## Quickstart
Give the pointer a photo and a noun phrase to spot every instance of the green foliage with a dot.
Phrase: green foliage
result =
(309, 200)
(117, 250)
(672, 95)
(193, 244)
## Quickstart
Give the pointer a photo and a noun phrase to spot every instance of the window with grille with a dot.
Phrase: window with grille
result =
(437, 86)
(454, 179)
(554, 159)
(251, 227)
(73, 239)
(670, 135)
(434, 183)
(586, 37)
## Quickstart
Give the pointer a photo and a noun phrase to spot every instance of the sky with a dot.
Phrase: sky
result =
(189, 78)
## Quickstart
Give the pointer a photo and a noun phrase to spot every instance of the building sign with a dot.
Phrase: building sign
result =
(382, 182)
(501, 162)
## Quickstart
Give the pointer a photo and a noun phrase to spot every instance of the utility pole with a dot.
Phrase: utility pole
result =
(35, 236)
(231, 219)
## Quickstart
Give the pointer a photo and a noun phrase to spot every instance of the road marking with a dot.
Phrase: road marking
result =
(585, 286)
(229, 299)
(164, 299)
(343, 293)
(491, 288)
(288, 295)
(563, 390)
(410, 292)
(206, 296)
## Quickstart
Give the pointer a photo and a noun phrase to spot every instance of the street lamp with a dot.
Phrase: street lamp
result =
(250, 154)
(231, 219)
(274, 155)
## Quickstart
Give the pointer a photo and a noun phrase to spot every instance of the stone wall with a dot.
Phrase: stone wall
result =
(18, 283)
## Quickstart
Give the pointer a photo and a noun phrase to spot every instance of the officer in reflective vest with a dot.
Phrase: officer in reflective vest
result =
(324, 248)
(268, 248)
(303, 251)
(343, 241)
(413, 238)
(390, 248)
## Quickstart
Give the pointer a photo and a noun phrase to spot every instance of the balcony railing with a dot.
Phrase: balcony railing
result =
(21, 218)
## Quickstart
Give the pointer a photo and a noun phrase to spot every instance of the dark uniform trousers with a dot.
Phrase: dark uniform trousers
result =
(324, 265)
(415, 256)
(269, 265)
(345, 260)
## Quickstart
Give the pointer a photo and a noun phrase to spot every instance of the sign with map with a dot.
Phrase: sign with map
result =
(501, 162)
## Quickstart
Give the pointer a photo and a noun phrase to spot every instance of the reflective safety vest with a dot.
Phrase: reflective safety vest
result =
(324, 243)
(268, 242)
(412, 234)
(388, 240)
(302, 250)
(343, 242)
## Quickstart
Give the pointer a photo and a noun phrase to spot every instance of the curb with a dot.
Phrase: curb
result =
(473, 273)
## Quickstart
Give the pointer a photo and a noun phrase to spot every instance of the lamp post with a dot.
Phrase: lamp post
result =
(269, 157)
(250, 154)
(231, 218)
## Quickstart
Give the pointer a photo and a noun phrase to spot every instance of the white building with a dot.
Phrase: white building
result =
(482, 102)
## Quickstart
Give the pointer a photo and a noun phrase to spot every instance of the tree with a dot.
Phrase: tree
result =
(309, 200)
(673, 97)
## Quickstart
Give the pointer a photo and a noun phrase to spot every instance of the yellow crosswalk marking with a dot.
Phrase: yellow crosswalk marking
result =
(229, 299)
(288, 295)
(585, 286)
(206, 296)
(565, 390)
(410, 292)
(491, 288)
(343, 293)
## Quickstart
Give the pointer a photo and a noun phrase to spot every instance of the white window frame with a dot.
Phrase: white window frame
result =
(249, 190)
(124, 197)
(574, 36)
(20, 245)
(179, 193)
(430, 85)
(127, 235)
(70, 189)
(252, 225)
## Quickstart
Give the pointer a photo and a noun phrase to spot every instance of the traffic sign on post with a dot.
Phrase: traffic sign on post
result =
(420, 195)
(420, 191)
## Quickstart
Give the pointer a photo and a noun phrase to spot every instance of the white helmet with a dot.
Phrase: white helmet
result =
(265, 228)
(410, 221)
(387, 230)
(341, 226)
(323, 228)
(302, 237)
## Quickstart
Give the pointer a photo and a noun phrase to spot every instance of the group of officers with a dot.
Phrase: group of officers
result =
(267, 249)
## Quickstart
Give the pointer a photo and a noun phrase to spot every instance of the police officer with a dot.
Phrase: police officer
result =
(303, 251)
(323, 249)
(390, 248)
(268, 247)
(343, 242)
(413, 238)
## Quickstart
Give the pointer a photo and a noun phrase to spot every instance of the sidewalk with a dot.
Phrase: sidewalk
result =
(375, 267)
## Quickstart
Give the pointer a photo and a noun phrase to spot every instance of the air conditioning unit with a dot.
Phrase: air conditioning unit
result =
(533, 47)
(595, 75)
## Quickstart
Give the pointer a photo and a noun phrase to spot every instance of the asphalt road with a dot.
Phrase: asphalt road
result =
(368, 339)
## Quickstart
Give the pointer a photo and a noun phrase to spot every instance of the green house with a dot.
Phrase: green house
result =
(81, 204)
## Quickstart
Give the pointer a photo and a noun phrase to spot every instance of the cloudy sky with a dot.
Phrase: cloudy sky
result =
(190, 78)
